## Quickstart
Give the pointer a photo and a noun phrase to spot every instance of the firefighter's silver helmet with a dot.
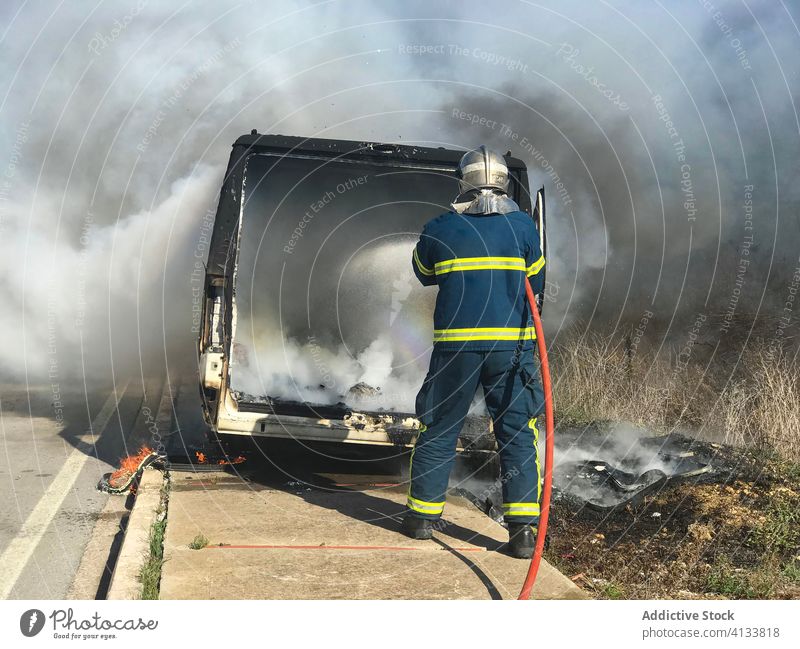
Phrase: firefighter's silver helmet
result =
(482, 168)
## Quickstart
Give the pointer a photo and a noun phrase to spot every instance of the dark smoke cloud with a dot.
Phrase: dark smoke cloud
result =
(655, 212)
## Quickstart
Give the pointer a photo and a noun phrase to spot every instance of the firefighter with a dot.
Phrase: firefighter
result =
(479, 254)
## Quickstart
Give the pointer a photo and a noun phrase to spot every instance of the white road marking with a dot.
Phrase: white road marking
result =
(19, 551)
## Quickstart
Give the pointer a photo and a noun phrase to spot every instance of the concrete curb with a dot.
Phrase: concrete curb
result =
(135, 548)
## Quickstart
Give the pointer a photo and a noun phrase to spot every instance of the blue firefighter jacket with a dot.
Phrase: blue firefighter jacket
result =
(480, 262)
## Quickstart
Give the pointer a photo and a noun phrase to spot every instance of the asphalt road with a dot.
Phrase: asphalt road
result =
(56, 445)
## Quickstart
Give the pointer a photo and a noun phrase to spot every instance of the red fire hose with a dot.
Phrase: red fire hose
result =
(530, 579)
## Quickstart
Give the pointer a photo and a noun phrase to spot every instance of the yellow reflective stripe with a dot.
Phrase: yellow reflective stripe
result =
(532, 424)
(535, 267)
(521, 509)
(425, 503)
(482, 263)
(424, 507)
(484, 329)
(422, 268)
(479, 263)
(484, 333)
(461, 268)
(424, 510)
(480, 259)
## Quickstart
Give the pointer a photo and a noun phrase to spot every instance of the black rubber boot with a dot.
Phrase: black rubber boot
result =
(521, 540)
(417, 528)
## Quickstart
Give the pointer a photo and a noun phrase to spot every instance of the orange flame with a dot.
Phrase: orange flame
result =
(237, 460)
(201, 457)
(128, 466)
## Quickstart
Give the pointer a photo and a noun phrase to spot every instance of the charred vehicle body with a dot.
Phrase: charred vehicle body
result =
(313, 325)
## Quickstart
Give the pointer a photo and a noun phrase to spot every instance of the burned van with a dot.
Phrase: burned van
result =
(314, 326)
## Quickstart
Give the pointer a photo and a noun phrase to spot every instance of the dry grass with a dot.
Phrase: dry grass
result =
(755, 404)
(598, 379)
(738, 538)
(762, 410)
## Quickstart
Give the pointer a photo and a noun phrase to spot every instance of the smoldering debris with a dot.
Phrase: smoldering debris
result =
(362, 389)
(595, 467)
(605, 468)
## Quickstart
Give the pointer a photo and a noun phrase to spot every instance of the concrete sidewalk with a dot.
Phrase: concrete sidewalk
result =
(302, 543)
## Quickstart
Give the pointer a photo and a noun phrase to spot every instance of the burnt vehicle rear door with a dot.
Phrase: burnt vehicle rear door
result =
(312, 309)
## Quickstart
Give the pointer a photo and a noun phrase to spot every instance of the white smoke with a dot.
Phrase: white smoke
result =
(319, 371)
(118, 121)
(76, 301)
(623, 442)
(289, 370)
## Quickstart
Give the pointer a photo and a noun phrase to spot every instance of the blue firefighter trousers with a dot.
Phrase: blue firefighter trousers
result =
(514, 399)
